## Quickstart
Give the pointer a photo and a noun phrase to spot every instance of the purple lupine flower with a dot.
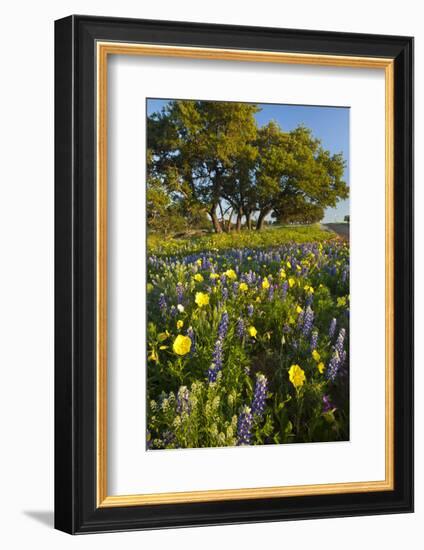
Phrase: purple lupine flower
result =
(224, 293)
(250, 309)
(332, 328)
(309, 299)
(235, 287)
(244, 426)
(173, 311)
(333, 366)
(180, 292)
(300, 319)
(259, 395)
(162, 304)
(344, 275)
(271, 293)
(223, 326)
(216, 364)
(309, 319)
(327, 406)
(284, 289)
(190, 334)
(240, 328)
(314, 340)
(340, 341)
(183, 404)
(286, 328)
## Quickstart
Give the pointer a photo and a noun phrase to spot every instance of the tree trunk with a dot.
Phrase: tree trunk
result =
(239, 218)
(215, 221)
(261, 220)
(248, 215)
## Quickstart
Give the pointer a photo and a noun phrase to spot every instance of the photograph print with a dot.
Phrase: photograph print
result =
(247, 274)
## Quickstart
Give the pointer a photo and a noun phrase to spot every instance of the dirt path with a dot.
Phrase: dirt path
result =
(342, 229)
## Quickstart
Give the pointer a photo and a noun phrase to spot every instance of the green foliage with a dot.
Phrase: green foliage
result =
(156, 244)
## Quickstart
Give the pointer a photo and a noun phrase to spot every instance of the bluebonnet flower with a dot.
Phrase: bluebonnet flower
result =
(308, 321)
(300, 319)
(235, 287)
(340, 341)
(259, 395)
(333, 366)
(224, 293)
(314, 340)
(190, 334)
(162, 304)
(180, 293)
(326, 404)
(173, 311)
(284, 289)
(271, 293)
(240, 328)
(216, 364)
(332, 328)
(250, 310)
(309, 299)
(244, 426)
(223, 326)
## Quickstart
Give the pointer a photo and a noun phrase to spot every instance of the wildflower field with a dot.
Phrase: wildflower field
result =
(248, 339)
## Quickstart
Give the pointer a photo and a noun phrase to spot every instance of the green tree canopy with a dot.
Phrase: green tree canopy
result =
(209, 158)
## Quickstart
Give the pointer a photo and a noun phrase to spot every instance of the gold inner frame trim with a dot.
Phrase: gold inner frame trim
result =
(104, 49)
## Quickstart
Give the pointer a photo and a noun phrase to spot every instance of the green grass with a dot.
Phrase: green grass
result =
(160, 244)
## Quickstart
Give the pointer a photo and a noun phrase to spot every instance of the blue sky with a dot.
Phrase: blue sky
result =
(329, 124)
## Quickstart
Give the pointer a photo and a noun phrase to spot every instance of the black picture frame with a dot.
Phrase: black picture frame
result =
(76, 510)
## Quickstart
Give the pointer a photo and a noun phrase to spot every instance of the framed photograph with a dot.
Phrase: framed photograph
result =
(234, 274)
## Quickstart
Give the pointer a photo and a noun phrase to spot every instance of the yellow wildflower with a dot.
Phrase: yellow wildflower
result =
(292, 282)
(201, 299)
(243, 287)
(199, 262)
(154, 356)
(265, 283)
(297, 376)
(249, 258)
(252, 331)
(180, 324)
(299, 309)
(258, 300)
(214, 276)
(198, 277)
(182, 345)
(298, 267)
(288, 265)
(341, 302)
(282, 274)
(231, 274)
(316, 355)
(321, 367)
